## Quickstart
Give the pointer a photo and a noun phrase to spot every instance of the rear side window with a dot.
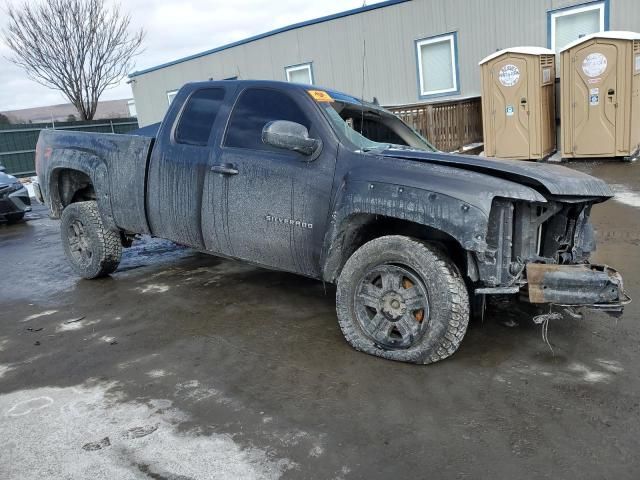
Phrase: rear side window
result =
(254, 109)
(198, 116)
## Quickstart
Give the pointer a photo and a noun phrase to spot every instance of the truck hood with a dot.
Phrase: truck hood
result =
(555, 179)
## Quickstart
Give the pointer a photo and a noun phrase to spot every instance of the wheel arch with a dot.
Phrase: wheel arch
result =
(77, 176)
(68, 186)
(360, 228)
(363, 210)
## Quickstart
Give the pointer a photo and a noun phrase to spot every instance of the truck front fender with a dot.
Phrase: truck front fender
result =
(464, 222)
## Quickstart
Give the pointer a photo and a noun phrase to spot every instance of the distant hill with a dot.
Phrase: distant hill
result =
(61, 113)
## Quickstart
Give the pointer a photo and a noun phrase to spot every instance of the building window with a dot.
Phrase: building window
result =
(131, 104)
(171, 95)
(568, 24)
(300, 74)
(437, 65)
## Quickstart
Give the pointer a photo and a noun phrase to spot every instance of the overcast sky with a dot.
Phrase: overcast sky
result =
(175, 28)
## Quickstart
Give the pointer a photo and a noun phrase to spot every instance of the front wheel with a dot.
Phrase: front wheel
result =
(92, 250)
(402, 299)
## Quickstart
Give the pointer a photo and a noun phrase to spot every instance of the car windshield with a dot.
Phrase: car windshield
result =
(369, 127)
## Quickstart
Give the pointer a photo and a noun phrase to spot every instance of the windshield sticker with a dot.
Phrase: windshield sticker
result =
(509, 75)
(320, 96)
(594, 64)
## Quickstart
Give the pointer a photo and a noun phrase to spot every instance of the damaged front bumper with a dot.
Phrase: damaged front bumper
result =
(585, 285)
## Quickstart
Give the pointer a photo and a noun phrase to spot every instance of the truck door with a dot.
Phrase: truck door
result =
(594, 91)
(269, 205)
(178, 167)
(510, 101)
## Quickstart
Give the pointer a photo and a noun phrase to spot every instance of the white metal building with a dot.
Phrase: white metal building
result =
(413, 50)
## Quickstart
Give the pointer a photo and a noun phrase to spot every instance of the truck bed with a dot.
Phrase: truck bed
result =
(115, 163)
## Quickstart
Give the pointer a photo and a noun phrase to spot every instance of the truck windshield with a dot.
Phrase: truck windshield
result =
(371, 128)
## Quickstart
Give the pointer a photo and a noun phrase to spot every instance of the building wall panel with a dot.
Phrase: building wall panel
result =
(335, 48)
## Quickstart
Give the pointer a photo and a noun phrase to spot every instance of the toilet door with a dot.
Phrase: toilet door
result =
(594, 94)
(510, 101)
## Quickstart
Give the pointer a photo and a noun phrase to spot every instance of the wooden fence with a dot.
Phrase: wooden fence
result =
(448, 125)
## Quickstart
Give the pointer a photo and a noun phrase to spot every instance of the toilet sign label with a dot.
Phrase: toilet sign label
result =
(509, 110)
(509, 75)
(594, 64)
(594, 96)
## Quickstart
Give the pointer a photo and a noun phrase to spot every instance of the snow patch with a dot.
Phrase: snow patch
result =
(4, 369)
(89, 432)
(589, 375)
(29, 406)
(153, 288)
(610, 365)
(623, 194)
(192, 390)
(38, 315)
(316, 451)
(68, 326)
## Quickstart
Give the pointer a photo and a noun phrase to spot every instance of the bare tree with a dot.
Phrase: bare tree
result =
(80, 47)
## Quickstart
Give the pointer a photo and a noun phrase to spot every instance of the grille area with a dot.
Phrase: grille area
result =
(522, 232)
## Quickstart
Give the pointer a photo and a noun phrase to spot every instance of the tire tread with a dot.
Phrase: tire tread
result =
(446, 342)
(109, 248)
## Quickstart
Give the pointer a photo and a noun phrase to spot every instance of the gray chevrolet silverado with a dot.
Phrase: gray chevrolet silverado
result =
(321, 184)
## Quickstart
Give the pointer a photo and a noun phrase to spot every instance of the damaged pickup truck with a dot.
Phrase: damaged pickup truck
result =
(321, 184)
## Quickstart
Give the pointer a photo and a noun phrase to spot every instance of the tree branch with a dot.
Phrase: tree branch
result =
(79, 47)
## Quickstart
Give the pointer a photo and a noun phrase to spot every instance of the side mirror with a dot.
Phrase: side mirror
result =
(291, 136)
(2, 168)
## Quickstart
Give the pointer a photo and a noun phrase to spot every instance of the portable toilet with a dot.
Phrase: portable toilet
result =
(600, 95)
(518, 103)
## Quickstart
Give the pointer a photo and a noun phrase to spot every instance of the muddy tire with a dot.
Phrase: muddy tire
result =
(402, 299)
(92, 250)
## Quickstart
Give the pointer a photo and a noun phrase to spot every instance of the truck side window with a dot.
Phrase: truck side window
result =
(254, 109)
(199, 115)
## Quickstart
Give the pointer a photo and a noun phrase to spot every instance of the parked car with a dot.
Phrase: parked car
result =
(14, 198)
(321, 184)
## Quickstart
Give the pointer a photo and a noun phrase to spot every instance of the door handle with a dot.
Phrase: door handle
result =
(225, 169)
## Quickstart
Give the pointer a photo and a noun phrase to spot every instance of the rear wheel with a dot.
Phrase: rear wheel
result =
(402, 299)
(92, 250)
